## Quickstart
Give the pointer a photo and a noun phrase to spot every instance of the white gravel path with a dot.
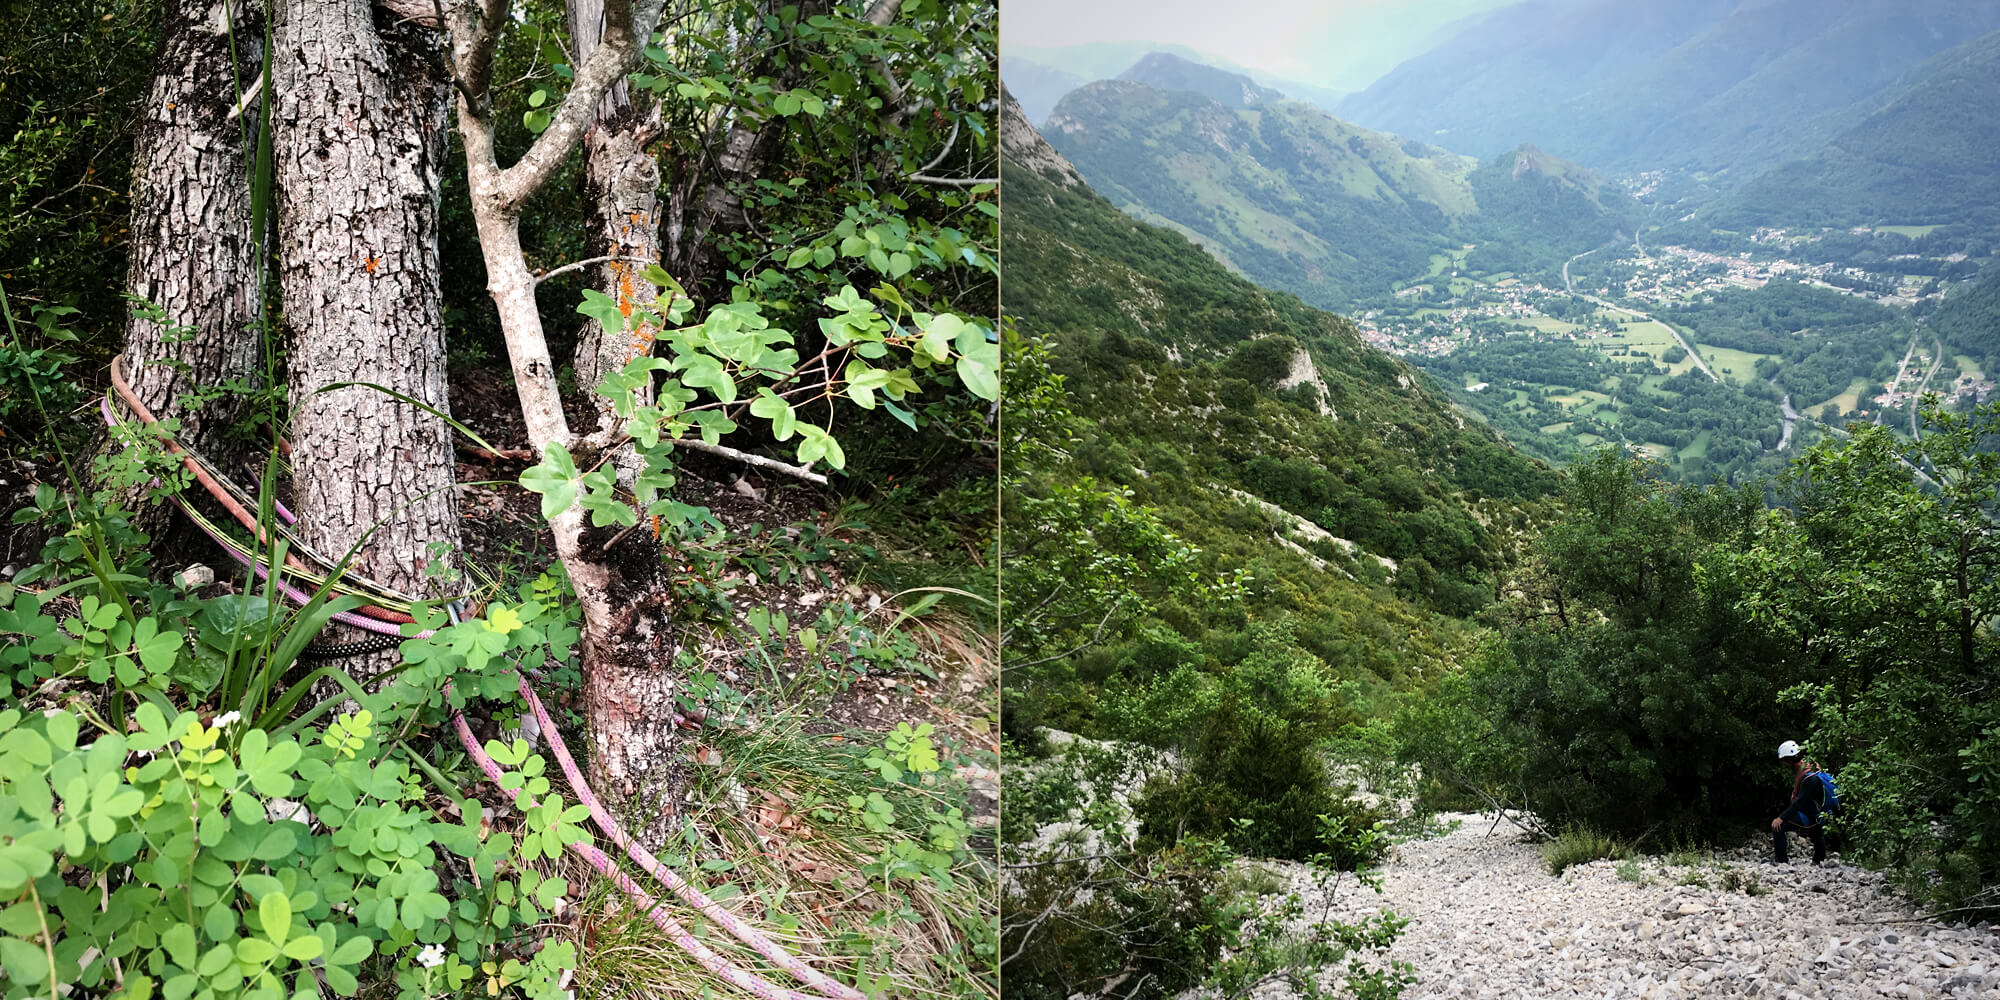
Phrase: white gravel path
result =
(1487, 920)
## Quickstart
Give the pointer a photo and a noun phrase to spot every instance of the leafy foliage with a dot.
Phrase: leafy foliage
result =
(1625, 691)
(1887, 579)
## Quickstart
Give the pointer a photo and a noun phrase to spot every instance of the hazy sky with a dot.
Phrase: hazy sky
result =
(1335, 43)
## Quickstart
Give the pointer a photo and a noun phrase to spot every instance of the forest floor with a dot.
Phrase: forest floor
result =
(1488, 920)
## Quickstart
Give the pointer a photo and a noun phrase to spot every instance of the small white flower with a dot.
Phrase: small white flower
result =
(227, 719)
(431, 957)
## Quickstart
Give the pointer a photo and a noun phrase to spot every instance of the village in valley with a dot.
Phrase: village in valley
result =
(1569, 356)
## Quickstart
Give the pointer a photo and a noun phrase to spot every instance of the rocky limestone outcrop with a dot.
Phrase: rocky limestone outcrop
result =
(1021, 143)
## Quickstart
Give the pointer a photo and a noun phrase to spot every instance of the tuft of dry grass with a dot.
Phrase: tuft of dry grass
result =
(771, 831)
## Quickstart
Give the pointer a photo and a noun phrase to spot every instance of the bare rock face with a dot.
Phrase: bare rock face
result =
(1021, 143)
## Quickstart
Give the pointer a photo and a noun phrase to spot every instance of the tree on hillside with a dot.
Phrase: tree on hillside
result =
(1625, 691)
(1890, 584)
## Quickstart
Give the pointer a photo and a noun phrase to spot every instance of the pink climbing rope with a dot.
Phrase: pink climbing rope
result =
(689, 894)
(827, 988)
(609, 869)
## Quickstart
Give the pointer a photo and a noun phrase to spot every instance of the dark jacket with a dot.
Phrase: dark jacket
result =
(1808, 799)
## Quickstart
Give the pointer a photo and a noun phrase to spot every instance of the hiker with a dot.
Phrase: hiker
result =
(1803, 815)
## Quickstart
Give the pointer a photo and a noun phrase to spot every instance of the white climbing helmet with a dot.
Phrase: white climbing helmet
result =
(1787, 749)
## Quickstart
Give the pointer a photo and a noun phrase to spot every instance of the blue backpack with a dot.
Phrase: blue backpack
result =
(1830, 795)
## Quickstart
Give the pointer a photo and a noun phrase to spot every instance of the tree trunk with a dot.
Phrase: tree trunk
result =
(193, 253)
(622, 190)
(360, 145)
(627, 635)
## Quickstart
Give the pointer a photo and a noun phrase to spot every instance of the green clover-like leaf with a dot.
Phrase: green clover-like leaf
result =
(555, 478)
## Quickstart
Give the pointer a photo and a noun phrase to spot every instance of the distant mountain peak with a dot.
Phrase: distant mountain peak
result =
(1166, 71)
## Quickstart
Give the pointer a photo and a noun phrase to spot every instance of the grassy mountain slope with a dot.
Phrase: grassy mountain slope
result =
(1716, 86)
(1365, 509)
(1296, 199)
(1927, 156)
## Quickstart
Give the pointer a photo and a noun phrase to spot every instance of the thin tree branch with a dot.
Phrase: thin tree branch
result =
(949, 142)
(952, 181)
(747, 458)
(625, 23)
(578, 265)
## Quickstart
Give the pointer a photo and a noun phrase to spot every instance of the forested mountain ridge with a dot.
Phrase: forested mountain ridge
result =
(1162, 71)
(1923, 156)
(1299, 200)
(1712, 85)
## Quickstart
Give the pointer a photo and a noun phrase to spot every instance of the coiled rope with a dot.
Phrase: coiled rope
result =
(388, 621)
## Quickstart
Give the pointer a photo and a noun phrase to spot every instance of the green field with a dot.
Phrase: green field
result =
(1586, 403)
(1699, 447)
(1548, 324)
(1440, 262)
(1649, 337)
(1913, 232)
(1848, 401)
(1733, 365)
(1967, 365)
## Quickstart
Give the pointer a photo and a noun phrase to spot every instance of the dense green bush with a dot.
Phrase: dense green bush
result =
(1257, 774)
(1889, 578)
(1624, 691)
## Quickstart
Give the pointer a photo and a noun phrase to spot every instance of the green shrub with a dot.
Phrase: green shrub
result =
(1578, 845)
(1257, 782)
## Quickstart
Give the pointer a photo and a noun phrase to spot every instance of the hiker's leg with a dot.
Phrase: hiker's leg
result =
(1778, 846)
(1817, 833)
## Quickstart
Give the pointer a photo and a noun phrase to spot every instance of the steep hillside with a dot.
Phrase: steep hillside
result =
(1712, 85)
(1926, 156)
(1265, 431)
(1296, 199)
(1535, 209)
(1968, 322)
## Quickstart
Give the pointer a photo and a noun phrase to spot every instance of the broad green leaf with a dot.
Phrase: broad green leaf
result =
(555, 478)
(61, 729)
(305, 947)
(179, 942)
(772, 407)
(276, 911)
(939, 334)
(602, 308)
(25, 963)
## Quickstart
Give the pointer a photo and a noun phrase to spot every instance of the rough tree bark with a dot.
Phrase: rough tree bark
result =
(627, 635)
(359, 123)
(193, 253)
(622, 190)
